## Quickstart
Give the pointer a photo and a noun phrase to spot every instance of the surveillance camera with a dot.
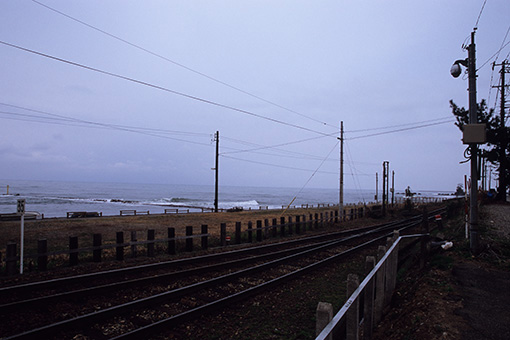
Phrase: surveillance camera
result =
(455, 71)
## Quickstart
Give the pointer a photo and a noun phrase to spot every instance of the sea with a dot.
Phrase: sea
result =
(56, 199)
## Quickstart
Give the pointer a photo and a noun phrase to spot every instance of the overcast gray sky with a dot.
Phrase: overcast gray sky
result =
(262, 73)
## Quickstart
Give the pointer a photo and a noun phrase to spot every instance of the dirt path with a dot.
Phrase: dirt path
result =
(458, 297)
(486, 301)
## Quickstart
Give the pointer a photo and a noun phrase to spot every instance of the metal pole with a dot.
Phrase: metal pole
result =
(216, 168)
(341, 199)
(473, 119)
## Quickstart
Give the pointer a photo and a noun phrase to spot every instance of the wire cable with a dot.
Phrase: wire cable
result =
(179, 64)
(277, 165)
(497, 53)
(311, 176)
(210, 102)
(400, 125)
(480, 14)
(400, 130)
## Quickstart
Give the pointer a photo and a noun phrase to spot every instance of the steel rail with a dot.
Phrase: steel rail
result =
(8, 307)
(121, 309)
(179, 262)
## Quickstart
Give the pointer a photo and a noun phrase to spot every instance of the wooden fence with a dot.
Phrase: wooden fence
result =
(263, 229)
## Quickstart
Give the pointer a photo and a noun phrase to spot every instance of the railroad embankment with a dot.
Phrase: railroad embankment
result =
(459, 296)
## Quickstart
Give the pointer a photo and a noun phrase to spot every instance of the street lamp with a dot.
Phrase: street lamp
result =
(455, 71)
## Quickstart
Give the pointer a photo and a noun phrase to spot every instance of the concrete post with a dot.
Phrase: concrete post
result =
(368, 309)
(379, 286)
(324, 315)
(352, 315)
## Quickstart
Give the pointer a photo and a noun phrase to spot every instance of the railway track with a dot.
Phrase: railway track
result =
(134, 302)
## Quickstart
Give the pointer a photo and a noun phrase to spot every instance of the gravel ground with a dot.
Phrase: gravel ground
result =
(460, 296)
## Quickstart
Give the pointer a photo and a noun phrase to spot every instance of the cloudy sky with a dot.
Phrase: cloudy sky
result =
(140, 88)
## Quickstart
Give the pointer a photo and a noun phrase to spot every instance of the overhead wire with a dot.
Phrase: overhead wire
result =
(276, 165)
(480, 14)
(115, 75)
(400, 130)
(312, 175)
(179, 64)
(70, 121)
(399, 125)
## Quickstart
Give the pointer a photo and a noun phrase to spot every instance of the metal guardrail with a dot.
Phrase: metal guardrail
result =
(378, 287)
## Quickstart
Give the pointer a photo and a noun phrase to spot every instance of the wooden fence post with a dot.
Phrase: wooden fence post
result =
(238, 232)
(134, 247)
(73, 245)
(275, 223)
(310, 222)
(42, 257)
(250, 232)
(11, 259)
(291, 231)
(223, 234)
(150, 245)
(259, 231)
(120, 246)
(282, 226)
(298, 224)
(204, 232)
(171, 241)
(322, 220)
(352, 315)
(303, 223)
(96, 243)
(189, 239)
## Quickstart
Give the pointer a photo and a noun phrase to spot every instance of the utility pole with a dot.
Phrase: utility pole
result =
(216, 168)
(455, 71)
(341, 199)
(473, 119)
(376, 185)
(502, 155)
(386, 168)
(392, 188)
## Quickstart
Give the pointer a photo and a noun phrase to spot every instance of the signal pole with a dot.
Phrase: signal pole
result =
(216, 168)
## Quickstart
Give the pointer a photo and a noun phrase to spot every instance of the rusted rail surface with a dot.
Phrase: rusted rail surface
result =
(317, 254)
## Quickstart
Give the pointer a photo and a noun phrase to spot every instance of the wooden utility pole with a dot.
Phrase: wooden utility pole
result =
(216, 168)
(341, 199)
(393, 188)
(376, 185)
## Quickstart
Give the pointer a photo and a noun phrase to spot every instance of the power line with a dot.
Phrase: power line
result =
(70, 121)
(265, 147)
(276, 165)
(161, 88)
(400, 125)
(179, 64)
(479, 15)
(400, 130)
(497, 53)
